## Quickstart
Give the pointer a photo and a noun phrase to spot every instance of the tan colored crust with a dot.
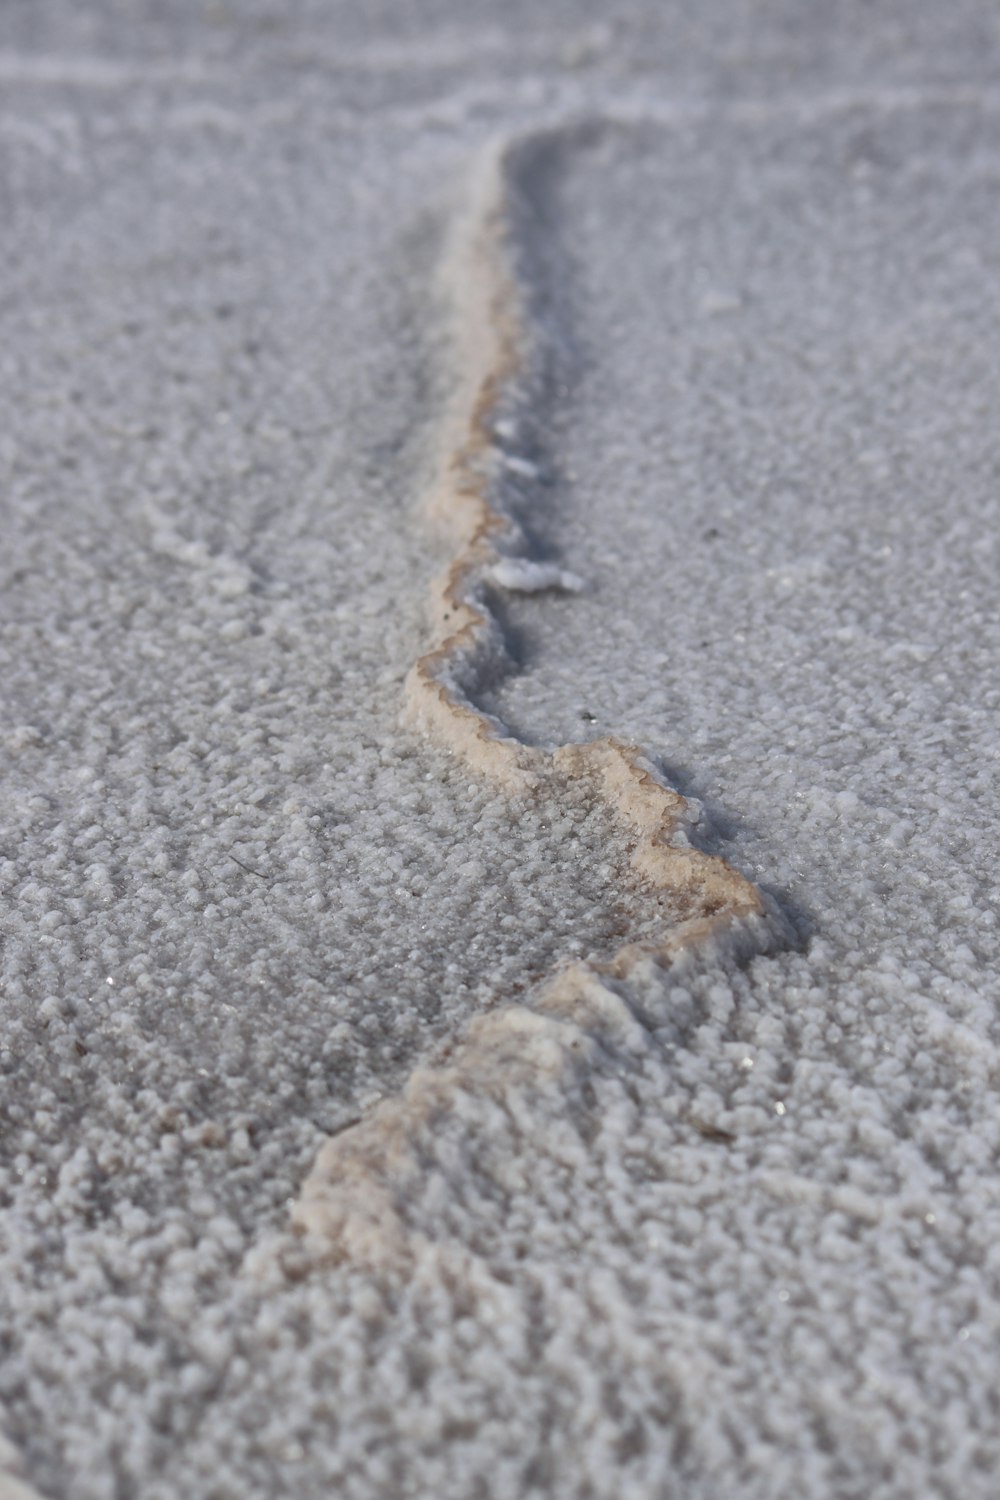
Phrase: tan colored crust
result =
(495, 352)
(358, 1202)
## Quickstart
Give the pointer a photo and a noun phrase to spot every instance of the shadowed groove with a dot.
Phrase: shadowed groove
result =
(356, 1203)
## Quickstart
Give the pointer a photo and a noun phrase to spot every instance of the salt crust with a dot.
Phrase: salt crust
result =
(745, 1245)
(350, 1204)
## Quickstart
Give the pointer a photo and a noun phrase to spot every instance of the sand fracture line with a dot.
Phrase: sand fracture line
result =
(353, 1204)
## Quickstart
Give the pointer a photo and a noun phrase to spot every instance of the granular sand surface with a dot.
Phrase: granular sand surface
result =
(721, 1218)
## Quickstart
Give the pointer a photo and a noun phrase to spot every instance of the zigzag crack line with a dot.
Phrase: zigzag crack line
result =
(356, 1202)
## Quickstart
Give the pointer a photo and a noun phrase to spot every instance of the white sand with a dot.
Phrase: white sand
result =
(698, 1223)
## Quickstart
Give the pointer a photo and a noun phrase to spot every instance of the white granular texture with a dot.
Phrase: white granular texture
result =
(714, 1229)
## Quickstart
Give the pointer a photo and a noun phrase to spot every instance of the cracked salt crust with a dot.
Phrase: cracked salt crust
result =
(620, 1260)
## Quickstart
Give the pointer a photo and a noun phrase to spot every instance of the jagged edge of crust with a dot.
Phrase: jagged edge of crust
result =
(497, 357)
(354, 1205)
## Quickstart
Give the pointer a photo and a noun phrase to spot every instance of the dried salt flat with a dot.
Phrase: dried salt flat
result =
(663, 1224)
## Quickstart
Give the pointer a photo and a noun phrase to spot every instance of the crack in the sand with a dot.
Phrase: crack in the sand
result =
(354, 1204)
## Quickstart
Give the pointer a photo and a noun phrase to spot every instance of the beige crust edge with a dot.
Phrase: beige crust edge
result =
(355, 1206)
